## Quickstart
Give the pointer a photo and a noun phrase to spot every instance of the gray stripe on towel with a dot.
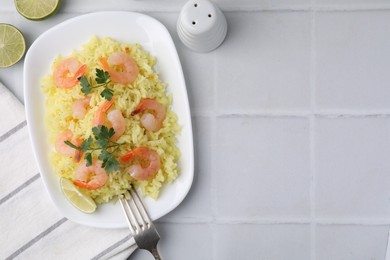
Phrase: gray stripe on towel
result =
(13, 131)
(37, 238)
(109, 249)
(18, 189)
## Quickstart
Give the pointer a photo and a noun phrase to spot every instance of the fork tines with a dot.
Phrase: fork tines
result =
(141, 227)
(136, 216)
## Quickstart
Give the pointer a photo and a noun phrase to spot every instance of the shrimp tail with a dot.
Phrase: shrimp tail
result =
(99, 116)
(82, 184)
(80, 72)
(127, 157)
(135, 112)
(106, 106)
(104, 64)
(137, 153)
(142, 105)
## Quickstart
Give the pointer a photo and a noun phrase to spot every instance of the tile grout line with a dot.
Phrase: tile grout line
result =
(313, 224)
(353, 221)
(313, 71)
(297, 114)
(305, 8)
(356, 8)
(279, 221)
(213, 166)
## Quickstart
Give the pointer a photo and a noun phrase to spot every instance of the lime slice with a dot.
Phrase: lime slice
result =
(37, 9)
(78, 198)
(12, 45)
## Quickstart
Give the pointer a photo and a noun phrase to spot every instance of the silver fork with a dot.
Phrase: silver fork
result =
(140, 225)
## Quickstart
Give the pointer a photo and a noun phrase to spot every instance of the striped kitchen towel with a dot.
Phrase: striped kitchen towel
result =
(30, 225)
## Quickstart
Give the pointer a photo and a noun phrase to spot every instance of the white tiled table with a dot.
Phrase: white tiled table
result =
(291, 125)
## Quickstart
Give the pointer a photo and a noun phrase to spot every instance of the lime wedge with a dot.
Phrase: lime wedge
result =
(78, 198)
(36, 9)
(12, 45)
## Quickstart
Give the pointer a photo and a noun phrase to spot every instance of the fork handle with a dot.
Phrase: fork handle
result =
(156, 254)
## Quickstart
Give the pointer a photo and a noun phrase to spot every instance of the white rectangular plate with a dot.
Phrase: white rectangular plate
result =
(126, 27)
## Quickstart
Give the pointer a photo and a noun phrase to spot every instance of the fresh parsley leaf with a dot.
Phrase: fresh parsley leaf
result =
(102, 142)
(102, 135)
(99, 132)
(102, 80)
(96, 131)
(107, 94)
(111, 165)
(86, 145)
(102, 76)
(111, 132)
(103, 156)
(86, 86)
(109, 162)
(88, 158)
(102, 132)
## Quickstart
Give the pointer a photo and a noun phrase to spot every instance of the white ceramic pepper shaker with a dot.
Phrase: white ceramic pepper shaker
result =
(201, 25)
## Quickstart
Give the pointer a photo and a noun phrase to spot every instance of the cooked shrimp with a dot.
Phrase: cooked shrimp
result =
(118, 122)
(64, 149)
(67, 72)
(127, 67)
(100, 114)
(115, 119)
(146, 163)
(91, 177)
(150, 121)
(79, 107)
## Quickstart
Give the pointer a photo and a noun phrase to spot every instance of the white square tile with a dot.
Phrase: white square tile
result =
(262, 168)
(351, 242)
(351, 3)
(260, 3)
(199, 71)
(271, 70)
(197, 204)
(352, 167)
(182, 241)
(276, 242)
(353, 60)
(199, 80)
(198, 68)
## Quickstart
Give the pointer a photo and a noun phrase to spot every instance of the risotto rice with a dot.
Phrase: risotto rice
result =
(59, 117)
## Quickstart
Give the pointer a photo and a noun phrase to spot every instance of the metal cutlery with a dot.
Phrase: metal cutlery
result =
(140, 225)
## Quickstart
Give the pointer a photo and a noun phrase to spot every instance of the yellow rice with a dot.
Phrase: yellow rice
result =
(59, 117)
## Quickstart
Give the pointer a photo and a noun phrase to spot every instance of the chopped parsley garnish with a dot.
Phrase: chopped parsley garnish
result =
(102, 144)
(102, 79)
